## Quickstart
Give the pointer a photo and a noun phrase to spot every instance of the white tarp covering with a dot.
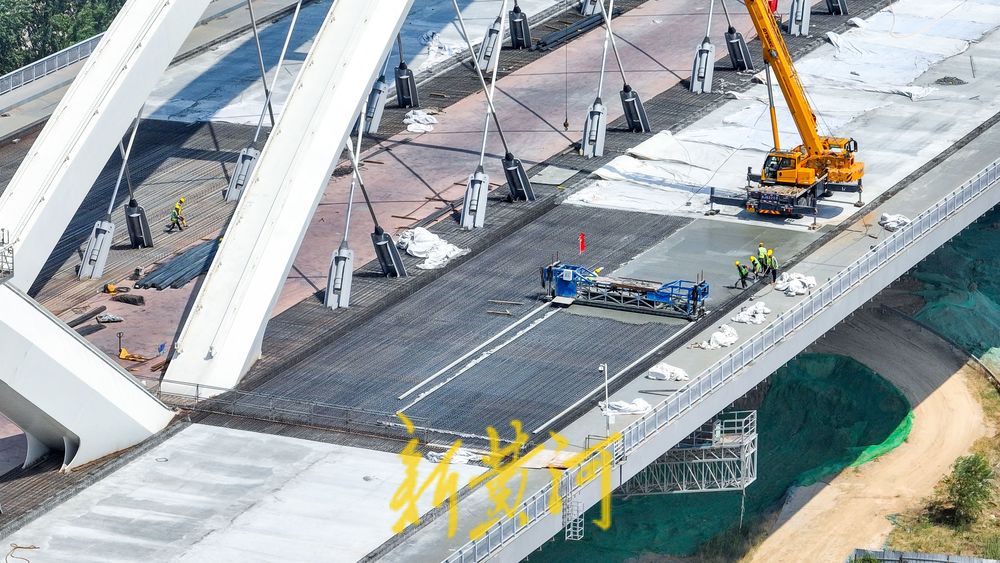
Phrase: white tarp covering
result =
(754, 314)
(637, 406)
(666, 372)
(421, 243)
(891, 222)
(873, 70)
(725, 336)
(795, 283)
(438, 49)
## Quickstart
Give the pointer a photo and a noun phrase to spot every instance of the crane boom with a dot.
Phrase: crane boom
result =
(819, 159)
(777, 57)
(792, 181)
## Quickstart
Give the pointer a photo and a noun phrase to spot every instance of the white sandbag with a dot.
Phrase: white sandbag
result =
(638, 406)
(666, 372)
(795, 283)
(462, 456)
(754, 314)
(421, 243)
(419, 121)
(892, 222)
(722, 338)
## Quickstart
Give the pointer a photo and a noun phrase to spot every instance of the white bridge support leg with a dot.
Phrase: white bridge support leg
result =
(222, 336)
(88, 124)
(65, 394)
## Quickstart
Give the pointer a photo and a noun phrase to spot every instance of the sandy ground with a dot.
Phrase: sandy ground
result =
(830, 519)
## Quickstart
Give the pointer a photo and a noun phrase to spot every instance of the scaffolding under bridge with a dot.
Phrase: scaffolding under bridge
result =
(720, 456)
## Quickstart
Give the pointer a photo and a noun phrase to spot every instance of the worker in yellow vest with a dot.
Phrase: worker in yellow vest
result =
(177, 217)
(756, 267)
(744, 273)
(772, 265)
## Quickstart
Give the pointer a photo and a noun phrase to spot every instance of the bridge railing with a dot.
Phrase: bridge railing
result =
(44, 67)
(634, 435)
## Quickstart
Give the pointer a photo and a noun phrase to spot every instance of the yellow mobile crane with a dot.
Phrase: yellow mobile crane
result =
(791, 181)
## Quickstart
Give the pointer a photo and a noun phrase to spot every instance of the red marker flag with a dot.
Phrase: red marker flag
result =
(583, 242)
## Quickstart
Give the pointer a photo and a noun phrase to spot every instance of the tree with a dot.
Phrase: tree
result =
(15, 16)
(969, 487)
(33, 29)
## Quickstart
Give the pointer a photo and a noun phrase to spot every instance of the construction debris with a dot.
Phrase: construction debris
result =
(129, 299)
(950, 81)
(419, 121)
(421, 243)
(86, 316)
(109, 318)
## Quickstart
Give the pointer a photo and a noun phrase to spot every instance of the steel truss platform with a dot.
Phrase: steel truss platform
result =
(719, 456)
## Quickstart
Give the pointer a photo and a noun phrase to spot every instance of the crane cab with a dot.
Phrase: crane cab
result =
(787, 167)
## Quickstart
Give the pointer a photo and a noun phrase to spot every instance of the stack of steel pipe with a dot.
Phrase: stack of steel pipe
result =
(182, 268)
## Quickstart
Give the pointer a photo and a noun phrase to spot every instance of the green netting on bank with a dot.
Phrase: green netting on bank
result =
(822, 413)
(961, 286)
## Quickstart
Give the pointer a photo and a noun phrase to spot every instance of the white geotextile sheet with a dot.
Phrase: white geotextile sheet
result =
(725, 336)
(666, 372)
(862, 70)
(755, 314)
(421, 243)
(636, 406)
(795, 283)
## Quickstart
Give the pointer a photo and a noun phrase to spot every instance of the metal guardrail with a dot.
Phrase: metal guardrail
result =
(6, 257)
(44, 67)
(724, 370)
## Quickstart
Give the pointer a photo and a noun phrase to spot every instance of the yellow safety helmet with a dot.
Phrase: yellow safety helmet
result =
(182, 200)
(737, 262)
(753, 259)
(770, 251)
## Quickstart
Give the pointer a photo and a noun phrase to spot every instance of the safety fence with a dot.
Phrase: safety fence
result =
(540, 504)
(44, 67)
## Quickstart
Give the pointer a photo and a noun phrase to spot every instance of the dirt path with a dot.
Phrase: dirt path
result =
(826, 521)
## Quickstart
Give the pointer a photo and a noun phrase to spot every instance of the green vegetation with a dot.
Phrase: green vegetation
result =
(822, 414)
(968, 488)
(962, 300)
(932, 528)
(33, 29)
